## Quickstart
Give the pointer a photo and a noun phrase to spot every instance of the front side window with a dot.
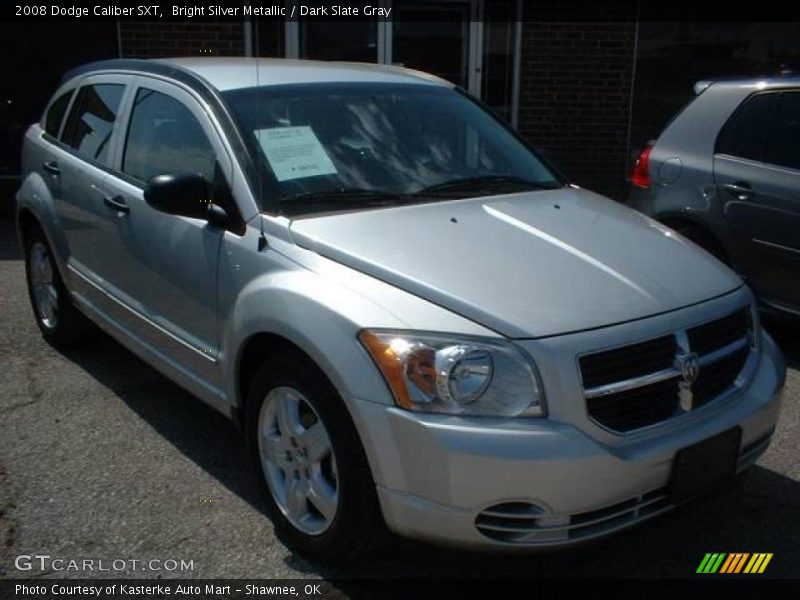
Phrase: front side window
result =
(324, 146)
(746, 134)
(91, 121)
(784, 140)
(55, 114)
(165, 137)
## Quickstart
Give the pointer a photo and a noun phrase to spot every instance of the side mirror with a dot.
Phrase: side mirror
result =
(185, 195)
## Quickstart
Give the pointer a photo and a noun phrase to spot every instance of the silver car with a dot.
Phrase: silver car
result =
(414, 320)
(726, 174)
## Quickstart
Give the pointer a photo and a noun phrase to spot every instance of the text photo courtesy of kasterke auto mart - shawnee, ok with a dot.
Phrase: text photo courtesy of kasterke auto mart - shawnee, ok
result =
(410, 298)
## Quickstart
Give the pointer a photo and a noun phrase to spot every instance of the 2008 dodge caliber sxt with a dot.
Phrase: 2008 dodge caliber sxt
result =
(414, 318)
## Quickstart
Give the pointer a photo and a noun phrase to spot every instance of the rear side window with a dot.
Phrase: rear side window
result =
(55, 114)
(91, 120)
(746, 134)
(165, 137)
(783, 148)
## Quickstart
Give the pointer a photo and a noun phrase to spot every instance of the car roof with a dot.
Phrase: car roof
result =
(789, 79)
(229, 73)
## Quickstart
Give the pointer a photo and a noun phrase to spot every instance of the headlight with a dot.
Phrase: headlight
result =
(437, 373)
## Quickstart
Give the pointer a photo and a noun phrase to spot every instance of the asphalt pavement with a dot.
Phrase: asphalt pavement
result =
(102, 458)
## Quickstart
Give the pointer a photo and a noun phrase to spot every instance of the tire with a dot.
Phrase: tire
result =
(287, 458)
(62, 325)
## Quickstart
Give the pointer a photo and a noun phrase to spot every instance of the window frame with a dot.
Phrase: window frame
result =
(114, 124)
(76, 85)
(186, 97)
(60, 93)
(129, 122)
(207, 121)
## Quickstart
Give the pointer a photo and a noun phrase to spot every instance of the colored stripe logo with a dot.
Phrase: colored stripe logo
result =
(735, 562)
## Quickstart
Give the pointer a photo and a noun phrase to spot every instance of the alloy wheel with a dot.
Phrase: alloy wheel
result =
(43, 285)
(298, 460)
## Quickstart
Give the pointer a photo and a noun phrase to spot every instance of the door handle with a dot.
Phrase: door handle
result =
(739, 190)
(51, 167)
(117, 203)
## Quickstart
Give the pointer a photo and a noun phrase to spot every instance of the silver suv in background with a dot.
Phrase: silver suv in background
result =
(412, 318)
(726, 174)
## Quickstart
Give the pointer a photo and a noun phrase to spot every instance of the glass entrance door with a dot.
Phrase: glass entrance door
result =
(468, 42)
(433, 37)
(499, 57)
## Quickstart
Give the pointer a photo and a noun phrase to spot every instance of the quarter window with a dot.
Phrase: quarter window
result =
(165, 137)
(784, 140)
(55, 114)
(91, 121)
(746, 133)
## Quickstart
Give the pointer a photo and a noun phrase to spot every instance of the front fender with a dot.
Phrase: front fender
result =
(318, 305)
(316, 314)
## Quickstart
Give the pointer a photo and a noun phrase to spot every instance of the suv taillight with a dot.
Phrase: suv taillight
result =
(639, 174)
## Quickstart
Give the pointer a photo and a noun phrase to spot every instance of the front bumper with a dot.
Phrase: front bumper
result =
(537, 483)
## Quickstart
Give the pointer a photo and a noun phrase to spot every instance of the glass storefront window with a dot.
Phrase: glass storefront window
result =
(499, 30)
(433, 37)
(270, 38)
(340, 40)
(467, 42)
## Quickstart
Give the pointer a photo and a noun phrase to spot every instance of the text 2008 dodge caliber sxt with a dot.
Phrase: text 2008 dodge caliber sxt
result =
(411, 316)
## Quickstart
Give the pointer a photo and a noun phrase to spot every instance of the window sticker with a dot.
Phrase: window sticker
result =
(294, 152)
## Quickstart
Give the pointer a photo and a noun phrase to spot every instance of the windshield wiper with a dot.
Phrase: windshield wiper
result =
(486, 182)
(344, 198)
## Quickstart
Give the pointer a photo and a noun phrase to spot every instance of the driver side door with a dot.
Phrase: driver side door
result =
(169, 275)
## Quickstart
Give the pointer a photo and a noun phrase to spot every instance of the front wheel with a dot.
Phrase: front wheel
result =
(319, 489)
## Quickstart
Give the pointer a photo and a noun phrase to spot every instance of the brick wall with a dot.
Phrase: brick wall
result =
(575, 94)
(140, 39)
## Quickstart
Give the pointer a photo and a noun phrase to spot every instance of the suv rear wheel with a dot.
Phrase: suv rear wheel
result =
(702, 238)
(61, 324)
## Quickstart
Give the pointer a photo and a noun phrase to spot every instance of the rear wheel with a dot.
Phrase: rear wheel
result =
(59, 321)
(318, 486)
(702, 238)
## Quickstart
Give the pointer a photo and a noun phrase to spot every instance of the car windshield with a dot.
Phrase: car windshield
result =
(344, 146)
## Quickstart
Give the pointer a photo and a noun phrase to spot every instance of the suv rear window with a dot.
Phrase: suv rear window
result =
(55, 114)
(91, 120)
(746, 133)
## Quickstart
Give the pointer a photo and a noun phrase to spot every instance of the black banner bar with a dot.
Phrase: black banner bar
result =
(705, 586)
(375, 10)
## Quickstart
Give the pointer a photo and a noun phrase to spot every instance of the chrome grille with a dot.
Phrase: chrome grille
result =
(628, 362)
(649, 382)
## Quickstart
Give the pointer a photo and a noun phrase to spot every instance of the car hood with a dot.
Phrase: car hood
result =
(532, 264)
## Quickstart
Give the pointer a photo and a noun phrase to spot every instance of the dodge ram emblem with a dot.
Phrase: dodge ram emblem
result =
(689, 366)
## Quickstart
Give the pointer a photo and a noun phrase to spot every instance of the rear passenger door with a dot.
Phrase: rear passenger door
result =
(757, 173)
(170, 262)
(77, 168)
